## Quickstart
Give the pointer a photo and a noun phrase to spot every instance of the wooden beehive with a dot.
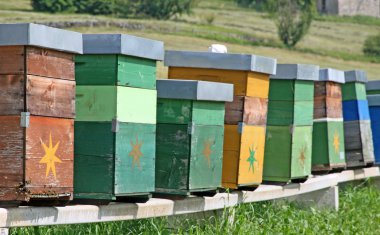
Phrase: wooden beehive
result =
(37, 92)
(190, 128)
(328, 135)
(373, 87)
(288, 144)
(374, 111)
(115, 126)
(250, 76)
(357, 124)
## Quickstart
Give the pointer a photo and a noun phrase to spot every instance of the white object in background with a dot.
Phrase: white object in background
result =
(217, 48)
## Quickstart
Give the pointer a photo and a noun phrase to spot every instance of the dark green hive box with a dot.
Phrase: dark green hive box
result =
(288, 145)
(328, 133)
(115, 126)
(355, 86)
(190, 131)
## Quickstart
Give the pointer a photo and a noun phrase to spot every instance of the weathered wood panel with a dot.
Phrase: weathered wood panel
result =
(328, 107)
(172, 157)
(49, 155)
(206, 157)
(249, 110)
(174, 111)
(135, 158)
(49, 63)
(366, 136)
(327, 89)
(50, 97)
(11, 94)
(12, 60)
(238, 78)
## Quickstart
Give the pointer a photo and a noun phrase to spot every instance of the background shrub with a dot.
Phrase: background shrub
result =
(54, 6)
(372, 46)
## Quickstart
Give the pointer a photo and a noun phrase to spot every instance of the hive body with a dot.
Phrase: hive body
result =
(245, 117)
(37, 93)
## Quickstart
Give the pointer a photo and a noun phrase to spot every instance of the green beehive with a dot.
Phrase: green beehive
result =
(288, 144)
(328, 128)
(190, 132)
(115, 126)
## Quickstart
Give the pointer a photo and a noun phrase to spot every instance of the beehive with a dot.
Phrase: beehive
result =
(37, 93)
(115, 127)
(190, 127)
(245, 117)
(288, 146)
(374, 111)
(373, 88)
(357, 124)
(328, 128)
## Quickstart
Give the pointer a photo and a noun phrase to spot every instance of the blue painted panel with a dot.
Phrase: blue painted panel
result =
(375, 125)
(354, 110)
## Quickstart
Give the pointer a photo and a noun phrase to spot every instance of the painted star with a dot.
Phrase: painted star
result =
(136, 153)
(336, 142)
(207, 151)
(251, 159)
(50, 158)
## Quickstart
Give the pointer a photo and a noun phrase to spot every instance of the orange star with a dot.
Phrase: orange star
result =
(302, 156)
(136, 152)
(50, 158)
(336, 142)
(207, 151)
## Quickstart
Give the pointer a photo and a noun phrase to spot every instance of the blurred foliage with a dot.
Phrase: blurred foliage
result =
(159, 9)
(372, 46)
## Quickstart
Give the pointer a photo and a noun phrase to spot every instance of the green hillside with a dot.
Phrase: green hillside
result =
(331, 42)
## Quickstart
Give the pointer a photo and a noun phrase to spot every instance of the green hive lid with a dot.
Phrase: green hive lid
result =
(297, 72)
(123, 44)
(373, 85)
(331, 75)
(373, 100)
(194, 90)
(211, 60)
(28, 34)
(356, 76)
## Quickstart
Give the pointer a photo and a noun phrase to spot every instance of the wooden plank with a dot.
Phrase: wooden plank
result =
(328, 107)
(352, 139)
(257, 85)
(172, 157)
(50, 63)
(251, 159)
(135, 158)
(206, 157)
(11, 94)
(234, 110)
(49, 155)
(50, 97)
(255, 111)
(208, 113)
(12, 60)
(238, 78)
(174, 111)
(366, 136)
(327, 89)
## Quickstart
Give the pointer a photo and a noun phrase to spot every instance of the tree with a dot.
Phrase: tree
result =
(293, 20)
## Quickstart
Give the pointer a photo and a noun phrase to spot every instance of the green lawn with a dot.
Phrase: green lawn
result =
(359, 214)
(332, 41)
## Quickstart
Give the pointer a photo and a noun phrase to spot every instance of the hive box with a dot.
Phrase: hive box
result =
(37, 96)
(190, 135)
(288, 144)
(357, 124)
(328, 134)
(373, 87)
(115, 126)
(245, 117)
(374, 110)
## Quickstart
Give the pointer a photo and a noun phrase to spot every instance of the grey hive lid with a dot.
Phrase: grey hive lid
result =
(373, 100)
(123, 44)
(28, 34)
(297, 72)
(356, 76)
(210, 60)
(194, 90)
(331, 75)
(373, 85)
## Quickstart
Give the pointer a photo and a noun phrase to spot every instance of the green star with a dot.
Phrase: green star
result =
(251, 159)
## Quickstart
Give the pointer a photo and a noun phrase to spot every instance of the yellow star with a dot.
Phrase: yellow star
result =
(50, 159)
(336, 142)
(136, 153)
(207, 151)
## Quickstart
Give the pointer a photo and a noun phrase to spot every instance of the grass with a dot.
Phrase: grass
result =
(359, 214)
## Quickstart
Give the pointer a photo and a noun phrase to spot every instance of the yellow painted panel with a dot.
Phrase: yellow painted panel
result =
(258, 85)
(238, 78)
(251, 155)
